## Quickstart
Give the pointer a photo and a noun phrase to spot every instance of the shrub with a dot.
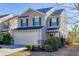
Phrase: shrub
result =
(54, 42)
(29, 47)
(36, 48)
(48, 48)
(6, 39)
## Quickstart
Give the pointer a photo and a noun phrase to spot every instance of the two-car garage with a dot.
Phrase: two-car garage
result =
(26, 37)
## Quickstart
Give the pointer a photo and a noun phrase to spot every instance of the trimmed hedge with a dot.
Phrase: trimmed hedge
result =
(48, 48)
(6, 39)
(36, 48)
(29, 47)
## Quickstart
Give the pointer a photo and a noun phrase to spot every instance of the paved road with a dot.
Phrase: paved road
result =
(60, 52)
(5, 50)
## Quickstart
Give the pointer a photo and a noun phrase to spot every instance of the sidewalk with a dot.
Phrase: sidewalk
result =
(10, 49)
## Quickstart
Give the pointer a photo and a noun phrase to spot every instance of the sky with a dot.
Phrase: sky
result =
(18, 8)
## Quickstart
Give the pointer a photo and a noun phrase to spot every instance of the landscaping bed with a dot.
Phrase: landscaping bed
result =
(52, 44)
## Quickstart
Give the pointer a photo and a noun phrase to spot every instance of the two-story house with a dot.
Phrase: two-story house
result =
(7, 22)
(33, 27)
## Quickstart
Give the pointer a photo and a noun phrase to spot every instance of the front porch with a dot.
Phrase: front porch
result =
(53, 33)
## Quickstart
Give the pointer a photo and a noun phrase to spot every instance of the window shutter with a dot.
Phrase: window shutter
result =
(26, 22)
(57, 21)
(50, 22)
(21, 22)
(39, 20)
(33, 21)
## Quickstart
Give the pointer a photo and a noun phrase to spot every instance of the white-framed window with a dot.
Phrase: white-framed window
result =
(24, 22)
(54, 22)
(36, 21)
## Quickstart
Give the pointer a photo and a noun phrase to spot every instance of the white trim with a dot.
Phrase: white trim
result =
(33, 12)
(6, 18)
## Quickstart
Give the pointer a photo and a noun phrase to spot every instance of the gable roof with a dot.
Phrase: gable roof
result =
(57, 12)
(1, 16)
(44, 10)
(32, 12)
(29, 28)
(22, 16)
(6, 17)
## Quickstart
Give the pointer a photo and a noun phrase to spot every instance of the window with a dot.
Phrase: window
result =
(36, 21)
(51, 34)
(54, 22)
(24, 22)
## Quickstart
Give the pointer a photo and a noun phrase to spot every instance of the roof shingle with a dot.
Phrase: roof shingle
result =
(57, 12)
(44, 10)
(1, 16)
(52, 28)
(29, 28)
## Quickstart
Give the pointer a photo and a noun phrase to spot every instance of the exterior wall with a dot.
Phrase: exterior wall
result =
(63, 25)
(43, 36)
(30, 19)
(2, 27)
(36, 14)
(27, 12)
(47, 15)
(13, 23)
(48, 22)
(56, 33)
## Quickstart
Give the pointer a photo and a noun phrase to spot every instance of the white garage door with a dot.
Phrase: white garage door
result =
(25, 38)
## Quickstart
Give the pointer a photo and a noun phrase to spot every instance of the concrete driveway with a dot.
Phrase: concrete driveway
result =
(9, 49)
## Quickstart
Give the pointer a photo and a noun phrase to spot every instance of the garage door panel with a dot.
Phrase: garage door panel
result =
(26, 38)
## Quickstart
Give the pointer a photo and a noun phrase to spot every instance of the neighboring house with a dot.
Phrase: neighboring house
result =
(33, 27)
(6, 23)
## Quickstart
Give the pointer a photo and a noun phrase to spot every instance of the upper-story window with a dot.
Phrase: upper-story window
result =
(37, 21)
(54, 21)
(24, 22)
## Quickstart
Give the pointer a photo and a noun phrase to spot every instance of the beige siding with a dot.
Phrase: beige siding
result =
(13, 23)
(27, 12)
(63, 24)
(48, 23)
(36, 14)
(2, 27)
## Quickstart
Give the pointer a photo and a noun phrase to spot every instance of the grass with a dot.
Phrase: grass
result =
(74, 45)
(21, 53)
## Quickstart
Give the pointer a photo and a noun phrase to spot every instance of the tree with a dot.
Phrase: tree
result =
(75, 32)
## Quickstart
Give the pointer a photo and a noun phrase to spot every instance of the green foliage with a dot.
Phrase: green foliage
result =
(29, 47)
(33, 48)
(48, 48)
(75, 32)
(6, 39)
(36, 48)
(54, 43)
